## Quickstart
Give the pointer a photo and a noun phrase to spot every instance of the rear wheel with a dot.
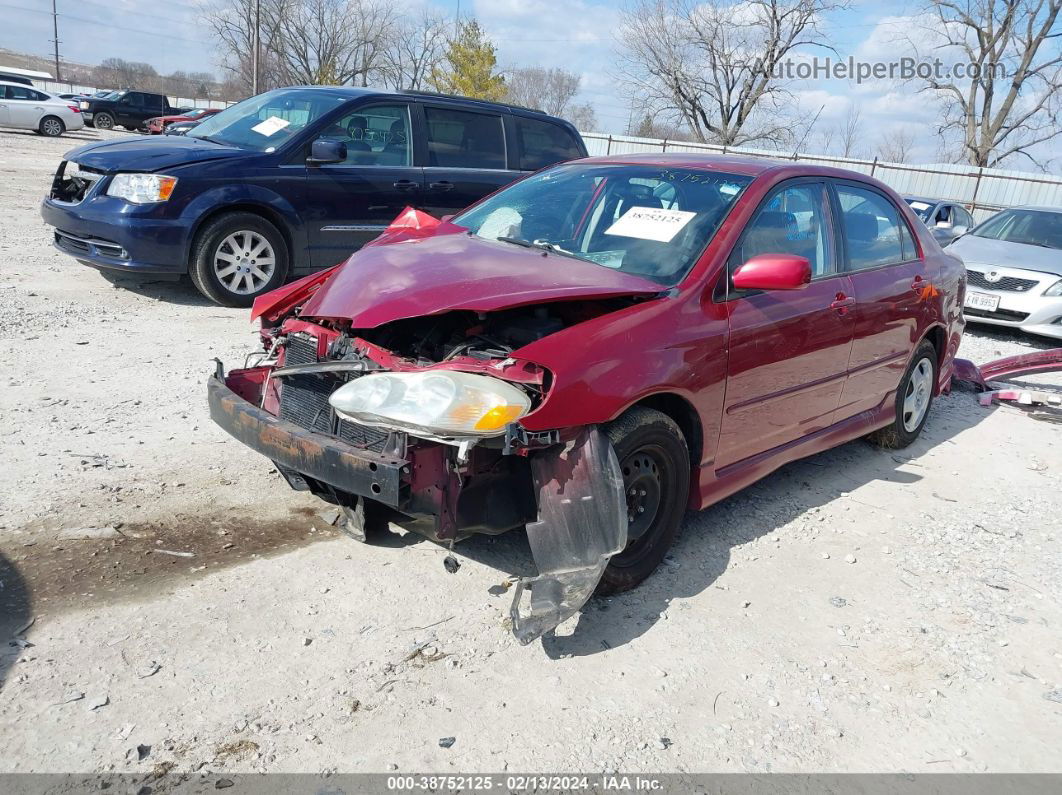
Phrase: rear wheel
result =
(51, 126)
(238, 257)
(655, 464)
(914, 396)
(103, 121)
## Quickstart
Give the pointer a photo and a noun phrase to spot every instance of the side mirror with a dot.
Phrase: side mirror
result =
(326, 150)
(773, 272)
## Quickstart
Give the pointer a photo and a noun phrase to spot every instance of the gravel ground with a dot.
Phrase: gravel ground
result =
(860, 610)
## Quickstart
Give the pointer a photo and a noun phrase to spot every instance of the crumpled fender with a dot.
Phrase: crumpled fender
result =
(582, 522)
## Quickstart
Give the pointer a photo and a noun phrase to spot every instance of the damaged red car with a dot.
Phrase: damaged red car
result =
(595, 349)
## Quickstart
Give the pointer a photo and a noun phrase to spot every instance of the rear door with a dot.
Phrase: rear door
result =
(789, 349)
(350, 203)
(24, 106)
(464, 156)
(891, 289)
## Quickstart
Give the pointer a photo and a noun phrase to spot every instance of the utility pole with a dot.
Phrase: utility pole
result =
(55, 30)
(255, 47)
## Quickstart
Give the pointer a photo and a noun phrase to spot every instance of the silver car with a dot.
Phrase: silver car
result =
(25, 107)
(1014, 266)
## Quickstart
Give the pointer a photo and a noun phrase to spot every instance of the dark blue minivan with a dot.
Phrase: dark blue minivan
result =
(289, 182)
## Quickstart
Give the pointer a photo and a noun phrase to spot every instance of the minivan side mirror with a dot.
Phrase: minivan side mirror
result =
(773, 272)
(327, 150)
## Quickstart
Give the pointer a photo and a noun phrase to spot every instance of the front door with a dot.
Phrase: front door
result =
(892, 289)
(789, 349)
(465, 158)
(350, 203)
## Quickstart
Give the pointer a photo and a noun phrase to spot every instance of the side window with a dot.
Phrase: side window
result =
(20, 92)
(153, 102)
(871, 228)
(375, 136)
(543, 143)
(944, 214)
(792, 221)
(963, 218)
(128, 99)
(461, 139)
(908, 249)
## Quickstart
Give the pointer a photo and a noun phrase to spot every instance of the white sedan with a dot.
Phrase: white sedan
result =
(26, 108)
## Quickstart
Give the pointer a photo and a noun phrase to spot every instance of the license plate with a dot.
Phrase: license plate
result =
(983, 301)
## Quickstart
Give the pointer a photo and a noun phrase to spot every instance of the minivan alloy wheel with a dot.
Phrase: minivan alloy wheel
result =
(917, 396)
(244, 261)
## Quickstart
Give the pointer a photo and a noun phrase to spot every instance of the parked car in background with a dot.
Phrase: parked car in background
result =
(290, 181)
(129, 109)
(13, 78)
(946, 220)
(595, 349)
(27, 108)
(180, 127)
(77, 97)
(1014, 266)
(158, 124)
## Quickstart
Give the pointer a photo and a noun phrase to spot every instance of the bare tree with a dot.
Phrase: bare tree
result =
(233, 22)
(895, 145)
(333, 41)
(1013, 100)
(715, 65)
(582, 116)
(548, 90)
(416, 48)
(851, 132)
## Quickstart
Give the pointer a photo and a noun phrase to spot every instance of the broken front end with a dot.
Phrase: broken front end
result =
(418, 424)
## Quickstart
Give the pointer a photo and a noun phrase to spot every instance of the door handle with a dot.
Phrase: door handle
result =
(841, 303)
(442, 185)
(405, 184)
(918, 283)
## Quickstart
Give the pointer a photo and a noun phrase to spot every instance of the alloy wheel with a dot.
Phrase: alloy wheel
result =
(52, 128)
(917, 396)
(244, 262)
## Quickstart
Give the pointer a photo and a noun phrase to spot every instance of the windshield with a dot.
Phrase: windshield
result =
(1032, 227)
(921, 209)
(264, 122)
(194, 114)
(646, 220)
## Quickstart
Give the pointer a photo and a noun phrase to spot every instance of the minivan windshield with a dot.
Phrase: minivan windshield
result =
(1032, 227)
(652, 221)
(266, 121)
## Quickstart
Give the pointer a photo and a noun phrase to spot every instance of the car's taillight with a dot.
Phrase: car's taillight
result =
(74, 108)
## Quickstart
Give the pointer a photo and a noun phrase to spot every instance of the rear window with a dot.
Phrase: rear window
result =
(460, 139)
(543, 143)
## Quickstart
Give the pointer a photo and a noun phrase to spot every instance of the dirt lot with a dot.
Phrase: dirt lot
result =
(860, 610)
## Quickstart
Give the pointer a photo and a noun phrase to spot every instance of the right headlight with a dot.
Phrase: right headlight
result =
(142, 188)
(439, 403)
(1054, 290)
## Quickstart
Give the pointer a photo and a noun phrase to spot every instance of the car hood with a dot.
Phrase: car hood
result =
(1000, 253)
(150, 153)
(446, 272)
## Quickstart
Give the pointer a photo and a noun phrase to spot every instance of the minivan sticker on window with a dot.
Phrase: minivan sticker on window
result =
(651, 223)
(273, 124)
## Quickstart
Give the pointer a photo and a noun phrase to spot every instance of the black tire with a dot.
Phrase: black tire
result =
(211, 247)
(655, 463)
(917, 384)
(103, 121)
(51, 127)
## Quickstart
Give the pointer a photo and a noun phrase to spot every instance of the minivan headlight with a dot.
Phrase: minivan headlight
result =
(449, 404)
(142, 188)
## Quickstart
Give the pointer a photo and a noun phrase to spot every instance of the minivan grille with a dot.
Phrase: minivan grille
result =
(73, 182)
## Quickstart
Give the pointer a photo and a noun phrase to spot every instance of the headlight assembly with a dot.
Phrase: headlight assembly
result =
(439, 403)
(1054, 290)
(142, 188)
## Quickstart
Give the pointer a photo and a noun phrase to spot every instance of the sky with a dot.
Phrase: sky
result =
(576, 35)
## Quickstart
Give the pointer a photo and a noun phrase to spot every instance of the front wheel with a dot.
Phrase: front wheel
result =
(655, 463)
(238, 257)
(914, 396)
(52, 127)
(103, 121)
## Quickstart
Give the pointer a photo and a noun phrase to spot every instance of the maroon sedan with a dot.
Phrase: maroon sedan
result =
(595, 349)
(157, 125)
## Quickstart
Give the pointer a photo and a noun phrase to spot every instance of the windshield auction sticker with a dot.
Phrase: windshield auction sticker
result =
(273, 124)
(651, 223)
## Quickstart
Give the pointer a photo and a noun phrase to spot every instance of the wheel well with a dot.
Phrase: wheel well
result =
(685, 416)
(270, 215)
(936, 336)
